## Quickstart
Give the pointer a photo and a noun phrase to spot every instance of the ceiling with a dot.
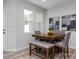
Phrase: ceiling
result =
(50, 3)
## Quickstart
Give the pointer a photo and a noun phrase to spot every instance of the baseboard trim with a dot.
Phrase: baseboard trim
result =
(72, 47)
(9, 50)
(23, 48)
(15, 50)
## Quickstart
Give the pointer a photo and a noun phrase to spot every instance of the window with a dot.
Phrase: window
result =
(27, 20)
(38, 21)
(33, 21)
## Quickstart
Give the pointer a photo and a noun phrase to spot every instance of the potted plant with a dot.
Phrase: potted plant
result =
(50, 29)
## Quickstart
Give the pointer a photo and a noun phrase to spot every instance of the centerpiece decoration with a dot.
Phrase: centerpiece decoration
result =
(50, 31)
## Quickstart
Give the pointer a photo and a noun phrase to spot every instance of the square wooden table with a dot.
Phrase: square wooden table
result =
(49, 37)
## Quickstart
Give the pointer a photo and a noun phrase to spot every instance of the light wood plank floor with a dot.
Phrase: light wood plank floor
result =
(24, 54)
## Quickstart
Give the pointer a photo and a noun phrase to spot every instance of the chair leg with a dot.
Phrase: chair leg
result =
(53, 53)
(47, 54)
(67, 51)
(29, 49)
(61, 53)
(64, 54)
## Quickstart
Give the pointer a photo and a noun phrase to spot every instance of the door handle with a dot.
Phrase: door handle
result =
(3, 31)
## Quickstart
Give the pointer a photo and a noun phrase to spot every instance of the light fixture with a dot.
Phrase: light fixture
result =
(43, 0)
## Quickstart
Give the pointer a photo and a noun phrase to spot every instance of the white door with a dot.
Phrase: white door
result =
(5, 41)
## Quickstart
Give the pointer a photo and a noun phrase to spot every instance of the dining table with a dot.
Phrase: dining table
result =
(54, 36)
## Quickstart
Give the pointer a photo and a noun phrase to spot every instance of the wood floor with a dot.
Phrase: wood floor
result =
(24, 54)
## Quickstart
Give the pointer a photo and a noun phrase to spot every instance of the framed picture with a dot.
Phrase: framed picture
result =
(69, 22)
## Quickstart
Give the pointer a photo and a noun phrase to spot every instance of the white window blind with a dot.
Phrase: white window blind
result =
(33, 21)
(38, 21)
(28, 20)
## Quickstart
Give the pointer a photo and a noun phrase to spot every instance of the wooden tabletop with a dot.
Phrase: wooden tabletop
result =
(46, 36)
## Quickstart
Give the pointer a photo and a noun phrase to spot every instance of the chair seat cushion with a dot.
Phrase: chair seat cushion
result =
(42, 44)
(60, 44)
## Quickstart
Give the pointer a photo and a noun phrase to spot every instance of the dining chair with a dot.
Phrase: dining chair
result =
(64, 44)
(59, 32)
(37, 32)
(58, 39)
(47, 47)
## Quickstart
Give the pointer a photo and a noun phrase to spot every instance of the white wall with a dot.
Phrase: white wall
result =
(60, 11)
(23, 39)
(16, 38)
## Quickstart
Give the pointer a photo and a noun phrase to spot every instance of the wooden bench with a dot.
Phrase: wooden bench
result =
(47, 47)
